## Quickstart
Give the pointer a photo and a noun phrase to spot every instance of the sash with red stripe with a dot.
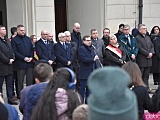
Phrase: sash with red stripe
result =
(115, 50)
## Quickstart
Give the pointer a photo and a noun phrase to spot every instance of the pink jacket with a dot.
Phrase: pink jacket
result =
(61, 102)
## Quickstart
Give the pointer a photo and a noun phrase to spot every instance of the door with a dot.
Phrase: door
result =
(3, 13)
(60, 16)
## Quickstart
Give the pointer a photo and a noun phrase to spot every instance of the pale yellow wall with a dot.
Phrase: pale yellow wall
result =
(89, 13)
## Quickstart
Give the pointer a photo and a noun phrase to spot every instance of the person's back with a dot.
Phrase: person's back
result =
(144, 101)
(58, 99)
(31, 94)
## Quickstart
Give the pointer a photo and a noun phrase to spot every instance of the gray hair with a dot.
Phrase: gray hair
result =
(126, 26)
(67, 33)
(61, 34)
(140, 25)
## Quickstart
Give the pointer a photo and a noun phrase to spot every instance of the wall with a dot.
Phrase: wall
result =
(89, 13)
(127, 11)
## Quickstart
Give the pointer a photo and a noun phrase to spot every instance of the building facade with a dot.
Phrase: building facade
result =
(59, 15)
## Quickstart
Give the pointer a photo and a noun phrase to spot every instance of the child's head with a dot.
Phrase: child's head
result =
(80, 113)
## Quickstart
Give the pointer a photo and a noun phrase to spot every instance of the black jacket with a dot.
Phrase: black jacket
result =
(5, 55)
(22, 48)
(144, 101)
(112, 59)
(145, 47)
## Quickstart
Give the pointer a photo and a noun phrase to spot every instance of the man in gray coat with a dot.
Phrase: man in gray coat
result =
(98, 46)
(145, 53)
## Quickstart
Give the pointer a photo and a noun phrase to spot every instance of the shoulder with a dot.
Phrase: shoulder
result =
(140, 89)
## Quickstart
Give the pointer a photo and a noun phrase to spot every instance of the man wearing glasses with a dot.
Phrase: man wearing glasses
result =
(87, 62)
(145, 53)
(63, 51)
(129, 43)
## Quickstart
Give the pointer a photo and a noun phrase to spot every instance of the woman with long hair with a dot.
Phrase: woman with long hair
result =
(155, 69)
(139, 88)
(58, 101)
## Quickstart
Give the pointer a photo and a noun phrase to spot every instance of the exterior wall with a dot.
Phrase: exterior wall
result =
(127, 11)
(35, 15)
(15, 13)
(120, 11)
(89, 13)
(151, 13)
(44, 16)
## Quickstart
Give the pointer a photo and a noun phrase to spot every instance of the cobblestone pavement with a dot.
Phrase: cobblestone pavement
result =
(154, 87)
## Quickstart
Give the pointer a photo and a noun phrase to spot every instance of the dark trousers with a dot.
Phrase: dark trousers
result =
(156, 77)
(9, 87)
(21, 74)
(83, 90)
(145, 74)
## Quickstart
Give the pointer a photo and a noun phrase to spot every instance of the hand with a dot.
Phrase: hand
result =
(50, 62)
(26, 59)
(69, 62)
(121, 61)
(150, 55)
(96, 57)
(11, 61)
(30, 59)
(133, 56)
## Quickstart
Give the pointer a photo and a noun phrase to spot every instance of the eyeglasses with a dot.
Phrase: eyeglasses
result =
(44, 34)
(144, 28)
(125, 29)
(62, 37)
(88, 40)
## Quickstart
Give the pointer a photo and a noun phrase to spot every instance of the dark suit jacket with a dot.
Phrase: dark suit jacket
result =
(145, 47)
(45, 52)
(62, 55)
(130, 49)
(86, 59)
(6, 54)
(22, 48)
(76, 37)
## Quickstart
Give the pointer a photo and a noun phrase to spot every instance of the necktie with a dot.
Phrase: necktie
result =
(45, 42)
(129, 40)
(64, 46)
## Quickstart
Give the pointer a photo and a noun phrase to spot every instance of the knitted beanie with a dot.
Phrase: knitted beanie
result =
(110, 97)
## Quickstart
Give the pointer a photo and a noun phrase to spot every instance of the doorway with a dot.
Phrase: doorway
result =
(3, 13)
(60, 16)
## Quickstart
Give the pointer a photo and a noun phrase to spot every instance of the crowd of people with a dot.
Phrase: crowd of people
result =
(108, 75)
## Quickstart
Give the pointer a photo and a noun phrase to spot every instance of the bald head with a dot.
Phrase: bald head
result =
(50, 36)
(44, 34)
(76, 27)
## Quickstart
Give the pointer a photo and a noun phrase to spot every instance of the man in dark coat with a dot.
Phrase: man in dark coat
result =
(145, 53)
(129, 43)
(74, 47)
(44, 48)
(76, 35)
(106, 37)
(120, 30)
(23, 49)
(63, 51)
(6, 64)
(87, 60)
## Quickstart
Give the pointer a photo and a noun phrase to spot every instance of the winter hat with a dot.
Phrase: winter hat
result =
(110, 97)
(80, 113)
